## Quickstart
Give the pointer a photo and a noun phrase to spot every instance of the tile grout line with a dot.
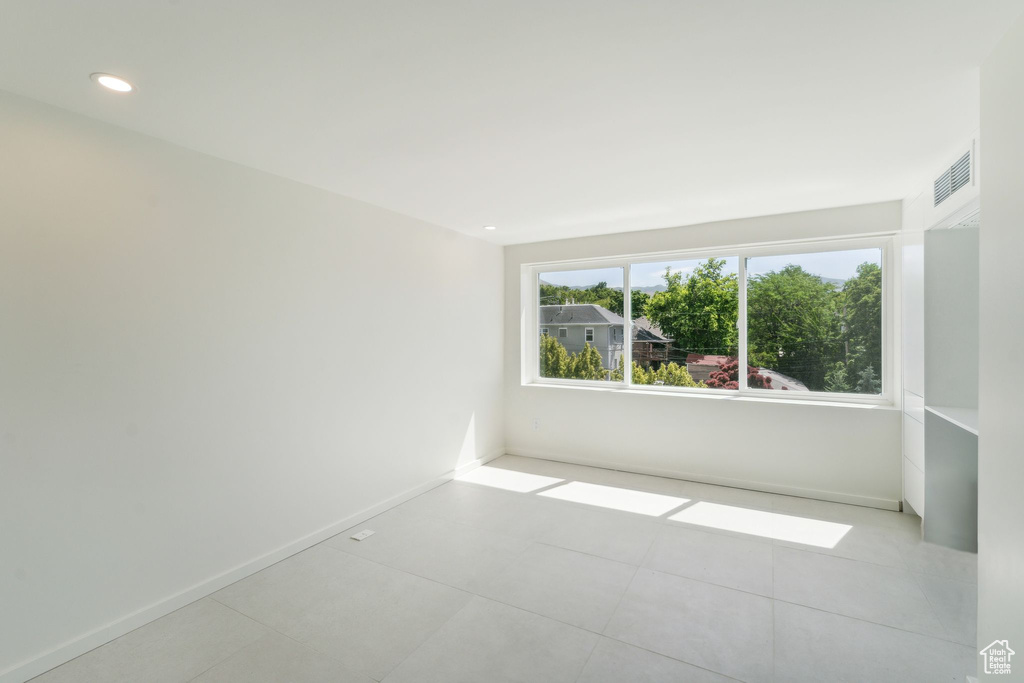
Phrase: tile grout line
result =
(816, 551)
(232, 654)
(940, 639)
(611, 615)
(674, 659)
(425, 640)
(590, 655)
(381, 563)
(903, 568)
(708, 583)
(914, 578)
(931, 606)
(899, 549)
(799, 604)
(283, 635)
(468, 592)
(403, 571)
(650, 547)
(618, 604)
(583, 552)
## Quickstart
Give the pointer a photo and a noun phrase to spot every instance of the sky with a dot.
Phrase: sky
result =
(839, 265)
(650, 274)
(582, 278)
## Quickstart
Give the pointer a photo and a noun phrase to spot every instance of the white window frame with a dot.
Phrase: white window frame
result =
(588, 334)
(543, 330)
(890, 374)
(560, 331)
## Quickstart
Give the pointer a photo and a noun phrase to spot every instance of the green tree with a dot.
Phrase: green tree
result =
(862, 318)
(668, 374)
(699, 312)
(600, 294)
(638, 302)
(793, 324)
(554, 359)
(587, 364)
(672, 375)
(615, 302)
(868, 382)
(836, 379)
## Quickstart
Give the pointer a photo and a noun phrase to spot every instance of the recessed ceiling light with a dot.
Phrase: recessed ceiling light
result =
(113, 83)
(490, 227)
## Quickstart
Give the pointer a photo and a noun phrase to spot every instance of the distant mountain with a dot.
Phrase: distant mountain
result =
(838, 282)
(648, 290)
(552, 284)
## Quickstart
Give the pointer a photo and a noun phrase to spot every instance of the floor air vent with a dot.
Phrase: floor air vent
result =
(955, 177)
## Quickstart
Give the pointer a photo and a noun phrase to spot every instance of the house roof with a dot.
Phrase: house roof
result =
(645, 330)
(578, 314)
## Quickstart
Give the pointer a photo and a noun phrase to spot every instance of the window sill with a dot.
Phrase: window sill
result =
(722, 395)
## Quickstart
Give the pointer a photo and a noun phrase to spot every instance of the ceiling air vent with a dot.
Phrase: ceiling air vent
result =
(955, 177)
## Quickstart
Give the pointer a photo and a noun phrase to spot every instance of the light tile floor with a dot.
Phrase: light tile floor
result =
(479, 583)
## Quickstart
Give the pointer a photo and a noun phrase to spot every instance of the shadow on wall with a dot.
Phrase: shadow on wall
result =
(468, 452)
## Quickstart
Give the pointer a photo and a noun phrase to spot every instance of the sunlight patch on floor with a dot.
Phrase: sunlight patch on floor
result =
(615, 498)
(510, 480)
(781, 527)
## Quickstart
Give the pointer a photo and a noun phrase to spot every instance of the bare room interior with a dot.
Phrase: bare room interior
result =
(470, 342)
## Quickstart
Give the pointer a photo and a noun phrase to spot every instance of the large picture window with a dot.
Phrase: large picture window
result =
(807, 319)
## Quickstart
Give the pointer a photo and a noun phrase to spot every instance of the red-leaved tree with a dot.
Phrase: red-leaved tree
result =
(728, 374)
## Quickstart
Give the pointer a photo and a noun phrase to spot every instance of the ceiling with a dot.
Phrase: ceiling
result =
(548, 119)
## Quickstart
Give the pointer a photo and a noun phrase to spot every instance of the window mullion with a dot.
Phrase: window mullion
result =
(741, 324)
(627, 328)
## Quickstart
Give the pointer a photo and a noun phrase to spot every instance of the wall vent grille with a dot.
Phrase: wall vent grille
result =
(955, 177)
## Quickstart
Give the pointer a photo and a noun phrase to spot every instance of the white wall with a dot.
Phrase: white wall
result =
(1001, 429)
(204, 368)
(838, 453)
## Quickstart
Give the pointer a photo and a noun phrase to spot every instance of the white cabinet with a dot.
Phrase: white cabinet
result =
(913, 441)
(951, 305)
(913, 455)
(913, 485)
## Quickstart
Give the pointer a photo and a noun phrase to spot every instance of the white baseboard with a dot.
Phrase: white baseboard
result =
(19, 673)
(831, 496)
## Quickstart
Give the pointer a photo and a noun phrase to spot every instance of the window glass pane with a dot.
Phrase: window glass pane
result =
(814, 322)
(684, 322)
(584, 310)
